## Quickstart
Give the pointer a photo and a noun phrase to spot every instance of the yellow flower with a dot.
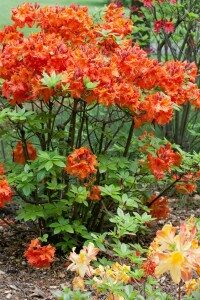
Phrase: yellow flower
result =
(165, 237)
(78, 283)
(190, 286)
(172, 262)
(81, 262)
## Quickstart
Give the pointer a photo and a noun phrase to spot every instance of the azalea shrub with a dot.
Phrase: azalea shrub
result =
(75, 93)
(169, 29)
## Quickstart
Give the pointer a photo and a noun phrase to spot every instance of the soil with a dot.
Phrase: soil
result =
(19, 281)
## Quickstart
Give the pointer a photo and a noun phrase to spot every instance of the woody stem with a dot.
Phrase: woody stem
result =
(179, 291)
(73, 124)
(130, 135)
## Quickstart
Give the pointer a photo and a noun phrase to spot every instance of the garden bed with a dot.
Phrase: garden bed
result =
(21, 282)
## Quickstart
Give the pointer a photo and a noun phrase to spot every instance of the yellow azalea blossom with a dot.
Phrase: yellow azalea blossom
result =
(81, 262)
(117, 272)
(113, 296)
(165, 237)
(192, 285)
(78, 283)
(172, 262)
(177, 253)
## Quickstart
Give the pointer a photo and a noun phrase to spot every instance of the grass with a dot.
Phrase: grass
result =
(6, 6)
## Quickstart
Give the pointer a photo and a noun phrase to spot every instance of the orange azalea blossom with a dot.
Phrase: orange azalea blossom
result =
(186, 183)
(146, 135)
(177, 253)
(81, 163)
(1, 169)
(5, 192)
(94, 193)
(39, 256)
(186, 188)
(148, 266)
(165, 157)
(71, 44)
(157, 107)
(159, 209)
(18, 153)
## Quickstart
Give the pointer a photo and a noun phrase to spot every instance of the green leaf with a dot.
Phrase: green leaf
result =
(28, 188)
(41, 174)
(88, 84)
(49, 165)
(59, 163)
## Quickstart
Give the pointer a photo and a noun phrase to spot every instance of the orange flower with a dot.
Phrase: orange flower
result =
(81, 163)
(148, 266)
(186, 188)
(69, 43)
(157, 166)
(5, 192)
(24, 14)
(95, 193)
(18, 153)
(198, 174)
(39, 256)
(159, 209)
(186, 183)
(165, 157)
(1, 169)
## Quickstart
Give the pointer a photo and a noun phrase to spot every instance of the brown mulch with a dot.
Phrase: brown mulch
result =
(18, 281)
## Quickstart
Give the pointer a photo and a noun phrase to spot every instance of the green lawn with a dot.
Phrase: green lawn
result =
(5, 6)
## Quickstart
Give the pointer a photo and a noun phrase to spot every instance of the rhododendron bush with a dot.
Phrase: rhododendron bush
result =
(75, 94)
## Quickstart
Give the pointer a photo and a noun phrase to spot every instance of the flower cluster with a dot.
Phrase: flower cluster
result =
(148, 266)
(81, 163)
(18, 153)
(70, 44)
(117, 272)
(111, 275)
(177, 253)
(165, 157)
(187, 183)
(81, 262)
(5, 192)
(192, 285)
(39, 256)
(159, 209)
(94, 193)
